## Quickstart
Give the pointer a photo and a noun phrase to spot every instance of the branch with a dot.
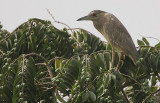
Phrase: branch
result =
(46, 62)
(56, 58)
(40, 64)
(125, 96)
(146, 99)
(47, 65)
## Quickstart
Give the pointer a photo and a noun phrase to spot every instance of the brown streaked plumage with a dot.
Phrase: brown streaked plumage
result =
(115, 33)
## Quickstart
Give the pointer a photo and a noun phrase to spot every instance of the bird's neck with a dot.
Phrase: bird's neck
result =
(99, 26)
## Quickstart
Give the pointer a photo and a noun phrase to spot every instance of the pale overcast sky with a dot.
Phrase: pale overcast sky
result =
(140, 17)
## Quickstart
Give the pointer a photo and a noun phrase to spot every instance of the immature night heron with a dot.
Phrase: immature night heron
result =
(115, 33)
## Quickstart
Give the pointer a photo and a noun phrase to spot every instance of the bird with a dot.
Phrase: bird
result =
(115, 33)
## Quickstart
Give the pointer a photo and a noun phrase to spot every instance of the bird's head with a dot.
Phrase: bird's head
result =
(93, 15)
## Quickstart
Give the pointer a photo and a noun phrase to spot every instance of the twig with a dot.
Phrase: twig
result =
(146, 46)
(45, 78)
(55, 58)
(22, 72)
(101, 51)
(40, 64)
(149, 46)
(125, 96)
(1, 51)
(141, 76)
(46, 63)
(72, 58)
(43, 83)
(83, 30)
(79, 44)
(125, 84)
(13, 32)
(80, 29)
(56, 20)
(129, 78)
(46, 89)
(7, 36)
(149, 37)
(146, 99)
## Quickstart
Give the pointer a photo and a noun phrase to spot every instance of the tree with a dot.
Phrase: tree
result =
(40, 63)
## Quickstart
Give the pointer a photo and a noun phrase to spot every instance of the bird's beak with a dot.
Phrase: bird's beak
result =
(84, 18)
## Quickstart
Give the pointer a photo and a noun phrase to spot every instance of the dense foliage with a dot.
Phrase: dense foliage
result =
(39, 63)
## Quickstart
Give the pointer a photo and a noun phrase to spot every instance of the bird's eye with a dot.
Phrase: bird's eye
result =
(94, 14)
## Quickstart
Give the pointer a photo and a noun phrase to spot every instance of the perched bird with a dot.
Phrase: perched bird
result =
(115, 33)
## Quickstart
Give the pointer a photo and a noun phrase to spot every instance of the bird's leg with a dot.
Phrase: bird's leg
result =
(113, 57)
(119, 61)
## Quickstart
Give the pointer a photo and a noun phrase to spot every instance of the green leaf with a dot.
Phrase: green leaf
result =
(143, 51)
(60, 98)
(80, 37)
(109, 46)
(58, 63)
(114, 78)
(145, 40)
(153, 89)
(153, 81)
(26, 81)
(92, 96)
(158, 63)
(99, 85)
(85, 97)
(140, 43)
(158, 45)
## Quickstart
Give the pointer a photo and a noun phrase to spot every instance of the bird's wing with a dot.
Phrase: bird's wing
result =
(119, 36)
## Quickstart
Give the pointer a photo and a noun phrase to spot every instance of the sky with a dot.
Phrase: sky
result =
(140, 17)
